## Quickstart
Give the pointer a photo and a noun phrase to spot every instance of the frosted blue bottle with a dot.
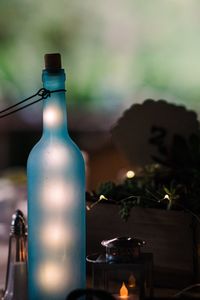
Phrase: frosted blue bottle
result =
(56, 200)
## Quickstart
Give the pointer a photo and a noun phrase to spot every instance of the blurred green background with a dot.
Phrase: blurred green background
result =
(115, 52)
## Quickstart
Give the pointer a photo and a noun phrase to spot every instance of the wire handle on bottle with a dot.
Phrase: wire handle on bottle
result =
(43, 93)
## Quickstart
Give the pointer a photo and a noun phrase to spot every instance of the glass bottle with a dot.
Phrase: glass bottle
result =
(56, 199)
(16, 277)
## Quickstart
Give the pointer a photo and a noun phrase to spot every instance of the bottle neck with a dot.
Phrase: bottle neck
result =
(54, 107)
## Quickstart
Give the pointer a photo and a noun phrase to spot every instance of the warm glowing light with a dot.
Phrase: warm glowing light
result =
(123, 291)
(167, 197)
(102, 197)
(58, 194)
(130, 174)
(132, 281)
(52, 116)
(88, 208)
(55, 235)
(52, 277)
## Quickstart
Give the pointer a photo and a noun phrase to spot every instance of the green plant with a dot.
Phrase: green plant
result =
(172, 182)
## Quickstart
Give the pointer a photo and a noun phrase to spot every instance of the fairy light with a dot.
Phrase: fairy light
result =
(55, 235)
(58, 194)
(102, 197)
(130, 174)
(52, 276)
(167, 197)
(52, 116)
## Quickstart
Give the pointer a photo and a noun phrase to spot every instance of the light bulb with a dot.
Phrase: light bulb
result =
(52, 276)
(57, 195)
(56, 235)
(130, 174)
(52, 116)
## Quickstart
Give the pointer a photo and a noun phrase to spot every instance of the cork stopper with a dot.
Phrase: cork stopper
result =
(53, 62)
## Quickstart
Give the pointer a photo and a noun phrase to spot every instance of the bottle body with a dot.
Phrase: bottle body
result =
(16, 277)
(56, 204)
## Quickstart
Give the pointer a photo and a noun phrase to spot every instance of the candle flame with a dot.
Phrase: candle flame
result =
(123, 291)
(132, 281)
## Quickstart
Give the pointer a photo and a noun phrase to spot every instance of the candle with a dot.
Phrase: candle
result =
(123, 291)
(123, 294)
(129, 297)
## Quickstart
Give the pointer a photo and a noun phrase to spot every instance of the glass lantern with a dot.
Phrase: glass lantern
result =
(123, 270)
